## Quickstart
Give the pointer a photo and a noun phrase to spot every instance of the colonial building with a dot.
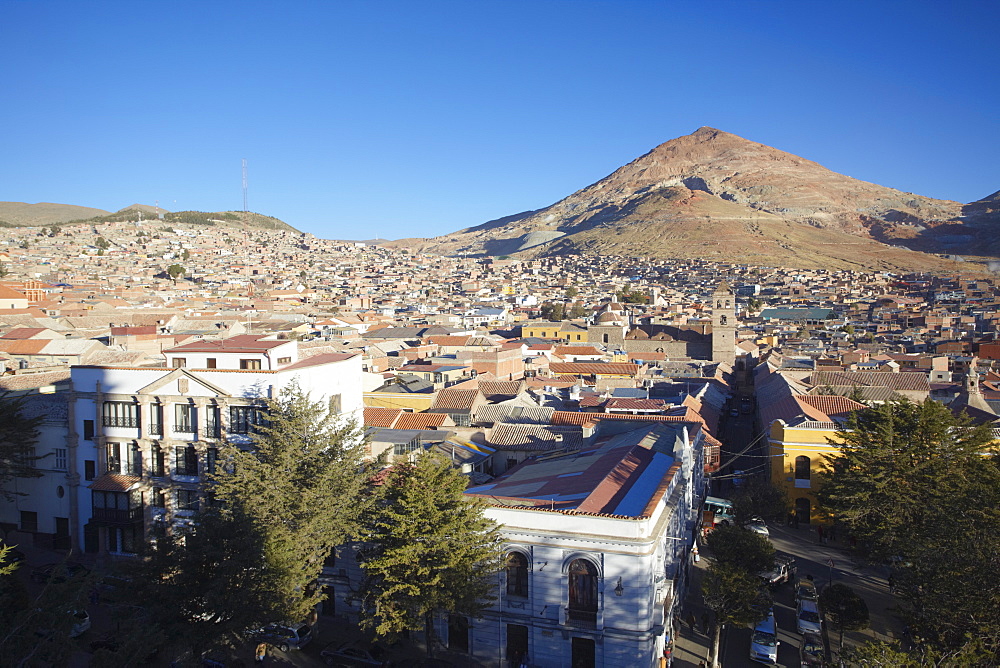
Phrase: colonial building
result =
(142, 439)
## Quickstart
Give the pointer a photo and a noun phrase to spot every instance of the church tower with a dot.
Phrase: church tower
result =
(724, 324)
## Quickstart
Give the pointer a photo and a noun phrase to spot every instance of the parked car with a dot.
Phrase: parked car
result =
(805, 590)
(812, 653)
(784, 570)
(354, 654)
(807, 617)
(757, 525)
(764, 641)
(59, 572)
(284, 636)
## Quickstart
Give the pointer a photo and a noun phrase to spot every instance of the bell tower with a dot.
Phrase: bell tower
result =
(724, 324)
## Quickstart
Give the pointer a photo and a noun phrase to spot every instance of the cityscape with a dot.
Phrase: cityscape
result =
(530, 335)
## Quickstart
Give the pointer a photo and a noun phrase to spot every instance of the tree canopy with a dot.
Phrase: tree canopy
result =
(920, 489)
(18, 435)
(428, 548)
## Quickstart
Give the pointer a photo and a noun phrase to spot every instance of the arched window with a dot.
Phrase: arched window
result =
(582, 590)
(802, 468)
(517, 574)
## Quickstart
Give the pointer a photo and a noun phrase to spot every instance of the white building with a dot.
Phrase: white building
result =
(141, 439)
(598, 543)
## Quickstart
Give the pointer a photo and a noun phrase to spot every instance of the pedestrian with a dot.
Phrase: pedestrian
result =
(261, 653)
(692, 622)
(705, 620)
(892, 584)
(819, 532)
(833, 533)
(694, 552)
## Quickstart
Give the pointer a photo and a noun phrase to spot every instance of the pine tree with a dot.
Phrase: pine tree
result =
(298, 486)
(735, 596)
(428, 549)
(18, 435)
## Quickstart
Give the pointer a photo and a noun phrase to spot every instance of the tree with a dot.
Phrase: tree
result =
(102, 243)
(18, 435)
(735, 596)
(578, 311)
(553, 312)
(744, 549)
(759, 498)
(186, 255)
(844, 609)
(174, 271)
(298, 487)
(275, 510)
(571, 292)
(897, 463)
(921, 487)
(428, 549)
(4, 271)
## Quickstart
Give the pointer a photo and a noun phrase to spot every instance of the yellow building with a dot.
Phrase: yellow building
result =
(567, 331)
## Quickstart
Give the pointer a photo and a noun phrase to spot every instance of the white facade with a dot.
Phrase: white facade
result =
(143, 438)
(636, 562)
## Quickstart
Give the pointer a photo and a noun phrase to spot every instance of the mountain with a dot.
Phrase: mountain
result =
(714, 195)
(21, 214)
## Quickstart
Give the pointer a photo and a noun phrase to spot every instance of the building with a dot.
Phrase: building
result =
(142, 439)
(597, 544)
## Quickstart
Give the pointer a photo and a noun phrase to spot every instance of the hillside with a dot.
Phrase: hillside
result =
(716, 195)
(21, 214)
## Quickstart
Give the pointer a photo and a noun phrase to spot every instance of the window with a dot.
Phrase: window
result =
(113, 453)
(184, 418)
(210, 363)
(242, 419)
(120, 414)
(158, 461)
(89, 469)
(583, 653)
(461, 419)
(250, 364)
(88, 430)
(60, 464)
(401, 449)
(582, 591)
(284, 360)
(186, 462)
(212, 456)
(335, 404)
(133, 463)
(517, 574)
(156, 420)
(179, 362)
(29, 521)
(212, 427)
(187, 499)
(159, 499)
(802, 468)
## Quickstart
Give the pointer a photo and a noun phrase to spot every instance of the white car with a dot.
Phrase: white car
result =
(807, 617)
(757, 526)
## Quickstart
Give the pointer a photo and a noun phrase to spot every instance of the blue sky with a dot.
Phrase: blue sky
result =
(398, 119)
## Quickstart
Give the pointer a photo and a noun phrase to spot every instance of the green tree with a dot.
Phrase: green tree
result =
(744, 549)
(898, 468)
(299, 488)
(4, 271)
(102, 243)
(759, 498)
(571, 292)
(186, 255)
(918, 485)
(735, 596)
(276, 508)
(844, 609)
(175, 271)
(578, 311)
(18, 435)
(553, 312)
(428, 549)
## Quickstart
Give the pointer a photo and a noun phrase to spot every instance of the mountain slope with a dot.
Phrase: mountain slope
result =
(714, 194)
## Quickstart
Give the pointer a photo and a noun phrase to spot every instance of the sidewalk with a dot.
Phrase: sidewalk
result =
(691, 647)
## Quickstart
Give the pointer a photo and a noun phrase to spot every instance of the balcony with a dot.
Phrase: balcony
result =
(185, 429)
(581, 617)
(156, 429)
(118, 516)
(212, 431)
(127, 422)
